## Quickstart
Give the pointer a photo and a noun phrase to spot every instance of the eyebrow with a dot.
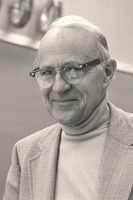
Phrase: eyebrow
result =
(52, 66)
(46, 67)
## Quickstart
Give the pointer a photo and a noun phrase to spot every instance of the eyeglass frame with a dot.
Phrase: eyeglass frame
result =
(83, 65)
(92, 63)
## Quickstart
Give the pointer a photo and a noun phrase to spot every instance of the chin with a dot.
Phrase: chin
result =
(65, 119)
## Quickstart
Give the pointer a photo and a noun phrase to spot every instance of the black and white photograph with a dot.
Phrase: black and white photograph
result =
(66, 99)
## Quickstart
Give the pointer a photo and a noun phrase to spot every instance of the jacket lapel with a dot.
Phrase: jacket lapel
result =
(42, 167)
(117, 165)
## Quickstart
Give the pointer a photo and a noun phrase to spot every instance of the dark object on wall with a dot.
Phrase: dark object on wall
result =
(50, 12)
(20, 13)
(0, 3)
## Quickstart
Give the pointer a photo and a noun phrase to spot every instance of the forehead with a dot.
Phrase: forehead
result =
(67, 44)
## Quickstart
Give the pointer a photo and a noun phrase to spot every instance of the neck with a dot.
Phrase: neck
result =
(98, 119)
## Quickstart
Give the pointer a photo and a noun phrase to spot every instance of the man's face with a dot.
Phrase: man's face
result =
(71, 104)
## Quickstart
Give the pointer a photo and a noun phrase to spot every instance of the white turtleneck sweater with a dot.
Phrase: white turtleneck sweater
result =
(80, 159)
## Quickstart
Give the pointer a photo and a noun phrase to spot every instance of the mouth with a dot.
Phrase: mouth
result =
(64, 101)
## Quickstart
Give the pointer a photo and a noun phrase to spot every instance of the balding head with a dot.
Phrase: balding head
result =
(79, 23)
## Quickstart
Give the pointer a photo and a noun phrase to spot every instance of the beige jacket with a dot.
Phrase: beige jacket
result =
(32, 173)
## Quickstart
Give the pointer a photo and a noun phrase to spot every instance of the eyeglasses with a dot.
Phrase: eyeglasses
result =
(71, 72)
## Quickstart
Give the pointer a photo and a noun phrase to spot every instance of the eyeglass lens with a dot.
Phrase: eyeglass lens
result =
(71, 73)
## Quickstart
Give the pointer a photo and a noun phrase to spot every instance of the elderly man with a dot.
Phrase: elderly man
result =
(88, 154)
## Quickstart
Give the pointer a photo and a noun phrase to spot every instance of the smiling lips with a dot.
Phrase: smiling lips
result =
(64, 101)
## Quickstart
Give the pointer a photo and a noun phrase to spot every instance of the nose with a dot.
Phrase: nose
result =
(60, 85)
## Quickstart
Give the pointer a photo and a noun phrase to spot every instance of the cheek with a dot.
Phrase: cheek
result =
(92, 89)
(45, 95)
(91, 78)
(94, 80)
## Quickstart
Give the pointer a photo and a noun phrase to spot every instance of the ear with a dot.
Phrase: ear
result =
(109, 70)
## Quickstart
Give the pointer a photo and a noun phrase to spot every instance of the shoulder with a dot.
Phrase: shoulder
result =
(129, 117)
(35, 137)
(121, 122)
(122, 113)
(30, 145)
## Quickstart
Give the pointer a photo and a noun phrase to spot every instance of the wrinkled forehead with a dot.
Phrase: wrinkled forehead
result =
(68, 43)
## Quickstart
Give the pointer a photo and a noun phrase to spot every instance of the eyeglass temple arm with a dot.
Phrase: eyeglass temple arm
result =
(34, 71)
(94, 62)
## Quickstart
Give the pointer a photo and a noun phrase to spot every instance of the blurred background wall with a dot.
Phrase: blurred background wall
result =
(21, 109)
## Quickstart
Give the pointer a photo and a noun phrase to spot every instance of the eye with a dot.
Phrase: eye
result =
(74, 67)
(47, 72)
